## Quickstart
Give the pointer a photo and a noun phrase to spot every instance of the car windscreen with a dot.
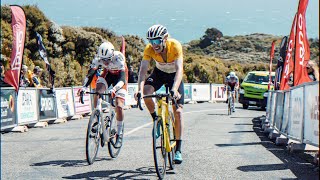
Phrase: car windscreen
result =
(257, 79)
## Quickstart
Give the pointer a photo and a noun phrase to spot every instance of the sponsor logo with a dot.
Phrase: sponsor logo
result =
(19, 47)
(46, 104)
(301, 38)
(314, 111)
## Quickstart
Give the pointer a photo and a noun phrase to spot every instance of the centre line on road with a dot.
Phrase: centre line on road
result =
(150, 123)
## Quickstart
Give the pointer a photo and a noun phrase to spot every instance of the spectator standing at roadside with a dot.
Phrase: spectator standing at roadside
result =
(35, 77)
(313, 70)
(24, 81)
(133, 76)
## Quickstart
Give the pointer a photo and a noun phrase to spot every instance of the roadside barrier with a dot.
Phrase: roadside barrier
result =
(290, 115)
(293, 116)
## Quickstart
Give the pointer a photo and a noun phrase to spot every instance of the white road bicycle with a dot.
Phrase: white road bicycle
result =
(102, 129)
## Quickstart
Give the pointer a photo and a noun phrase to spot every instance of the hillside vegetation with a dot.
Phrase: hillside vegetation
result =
(71, 49)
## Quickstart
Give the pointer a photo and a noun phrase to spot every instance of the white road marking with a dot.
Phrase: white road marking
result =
(150, 123)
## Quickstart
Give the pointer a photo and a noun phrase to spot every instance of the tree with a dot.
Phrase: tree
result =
(211, 35)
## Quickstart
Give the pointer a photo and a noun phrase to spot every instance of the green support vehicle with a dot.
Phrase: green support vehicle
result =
(254, 89)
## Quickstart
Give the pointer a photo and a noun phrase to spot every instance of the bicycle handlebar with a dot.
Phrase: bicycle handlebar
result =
(99, 94)
(158, 96)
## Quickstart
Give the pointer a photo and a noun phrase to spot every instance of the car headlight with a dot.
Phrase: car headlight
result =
(241, 91)
(266, 94)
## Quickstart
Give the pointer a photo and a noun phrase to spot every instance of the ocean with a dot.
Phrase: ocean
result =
(186, 20)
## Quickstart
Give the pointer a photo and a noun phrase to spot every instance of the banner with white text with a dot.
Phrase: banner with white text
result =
(47, 108)
(64, 100)
(27, 106)
(8, 117)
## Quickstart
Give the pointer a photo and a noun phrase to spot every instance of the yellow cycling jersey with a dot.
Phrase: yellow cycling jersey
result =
(174, 52)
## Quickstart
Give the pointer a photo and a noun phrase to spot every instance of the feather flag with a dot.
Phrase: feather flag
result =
(43, 54)
(302, 50)
(18, 25)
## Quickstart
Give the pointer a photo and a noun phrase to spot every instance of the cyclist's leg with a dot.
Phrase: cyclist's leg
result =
(233, 97)
(152, 84)
(120, 99)
(228, 92)
(100, 88)
(179, 124)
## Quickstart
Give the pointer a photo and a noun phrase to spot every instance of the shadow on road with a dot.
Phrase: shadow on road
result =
(298, 163)
(243, 124)
(238, 144)
(116, 174)
(68, 163)
(218, 114)
(241, 132)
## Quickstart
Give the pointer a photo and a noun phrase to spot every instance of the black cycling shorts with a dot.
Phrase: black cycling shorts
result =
(231, 88)
(159, 78)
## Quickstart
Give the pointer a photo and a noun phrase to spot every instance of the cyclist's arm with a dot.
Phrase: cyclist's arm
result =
(142, 73)
(179, 73)
(89, 77)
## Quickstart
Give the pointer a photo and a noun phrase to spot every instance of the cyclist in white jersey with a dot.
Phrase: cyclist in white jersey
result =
(112, 64)
(231, 84)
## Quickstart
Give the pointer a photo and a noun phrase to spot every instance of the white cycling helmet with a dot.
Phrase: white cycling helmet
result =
(105, 51)
(157, 31)
(232, 74)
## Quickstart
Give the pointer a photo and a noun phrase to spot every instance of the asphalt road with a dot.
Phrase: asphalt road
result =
(215, 146)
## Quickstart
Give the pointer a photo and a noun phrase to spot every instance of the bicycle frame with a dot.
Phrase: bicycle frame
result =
(163, 110)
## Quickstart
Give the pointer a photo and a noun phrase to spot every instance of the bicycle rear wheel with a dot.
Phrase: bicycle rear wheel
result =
(159, 151)
(113, 151)
(93, 137)
(172, 136)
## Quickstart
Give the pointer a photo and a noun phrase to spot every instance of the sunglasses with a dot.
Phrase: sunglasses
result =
(155, 41)
(106, 59)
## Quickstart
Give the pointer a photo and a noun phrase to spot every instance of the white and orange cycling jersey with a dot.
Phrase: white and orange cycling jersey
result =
(114, 71)
(116, 64)
(232, 81)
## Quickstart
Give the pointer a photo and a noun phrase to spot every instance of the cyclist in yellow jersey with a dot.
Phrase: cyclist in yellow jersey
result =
(167, 53)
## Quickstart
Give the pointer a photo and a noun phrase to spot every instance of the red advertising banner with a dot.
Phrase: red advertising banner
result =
(18, 24)
(288, 63)
(302, 51)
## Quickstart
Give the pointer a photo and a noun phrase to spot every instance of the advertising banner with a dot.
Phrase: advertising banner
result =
(132, 89)
(268, 110)
(200, 92)
(187, 92)
(27, 106)
(273, 109)
(296, 114)
(47, 108)
(8, 117)
(217, 93)
(78, 106)
(286, 112)
(311, 124)
(279, 110)
(64, 101)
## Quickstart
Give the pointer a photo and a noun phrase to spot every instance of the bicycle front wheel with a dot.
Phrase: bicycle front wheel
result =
(159, 151)
(114, 151)
(93, 137)
(171, 134)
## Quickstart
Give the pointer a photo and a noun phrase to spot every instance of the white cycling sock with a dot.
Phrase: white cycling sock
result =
(119, 126)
